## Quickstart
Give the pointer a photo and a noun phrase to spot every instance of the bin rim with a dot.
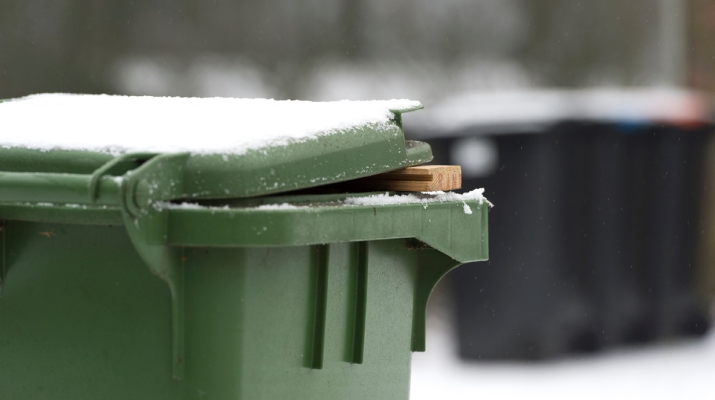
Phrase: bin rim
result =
(447, 233)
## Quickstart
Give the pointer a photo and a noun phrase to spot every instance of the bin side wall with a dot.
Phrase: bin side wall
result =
(82, 317)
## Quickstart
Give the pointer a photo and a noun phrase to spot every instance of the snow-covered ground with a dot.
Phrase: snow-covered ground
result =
(677, 370)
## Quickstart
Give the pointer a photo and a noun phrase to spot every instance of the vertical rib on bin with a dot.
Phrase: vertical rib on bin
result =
(319, 260)
(359, 264)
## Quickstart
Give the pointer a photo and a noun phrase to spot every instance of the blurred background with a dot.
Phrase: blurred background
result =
(588, 122)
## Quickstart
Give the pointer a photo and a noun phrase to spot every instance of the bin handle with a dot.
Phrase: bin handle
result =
(65, 188)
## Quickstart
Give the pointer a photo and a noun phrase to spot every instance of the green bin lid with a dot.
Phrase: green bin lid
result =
(234, 148)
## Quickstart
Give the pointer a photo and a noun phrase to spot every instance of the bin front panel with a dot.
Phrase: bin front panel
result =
(251, 321)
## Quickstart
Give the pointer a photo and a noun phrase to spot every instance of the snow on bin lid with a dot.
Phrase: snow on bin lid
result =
(120, 124)
(236, 147)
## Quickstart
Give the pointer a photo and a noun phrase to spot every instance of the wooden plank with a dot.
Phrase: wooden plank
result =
(423, 178)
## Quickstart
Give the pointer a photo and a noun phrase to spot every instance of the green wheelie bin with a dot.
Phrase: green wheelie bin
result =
(169, 249)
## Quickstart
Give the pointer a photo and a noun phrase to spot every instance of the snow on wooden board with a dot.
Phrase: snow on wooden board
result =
(121, 124)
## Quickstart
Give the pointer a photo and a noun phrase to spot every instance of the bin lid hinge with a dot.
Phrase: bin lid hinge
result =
(116, 165)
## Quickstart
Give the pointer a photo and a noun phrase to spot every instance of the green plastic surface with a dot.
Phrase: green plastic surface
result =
(264, 314)
(321, 300)
(95, 324)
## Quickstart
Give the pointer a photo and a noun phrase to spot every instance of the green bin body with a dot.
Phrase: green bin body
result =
(113, 288)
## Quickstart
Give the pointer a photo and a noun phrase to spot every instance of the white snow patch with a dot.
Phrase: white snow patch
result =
(283, 206)
(424, 198)
(187, 206)
(196, 206)
(66, 205)
(120, 124)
